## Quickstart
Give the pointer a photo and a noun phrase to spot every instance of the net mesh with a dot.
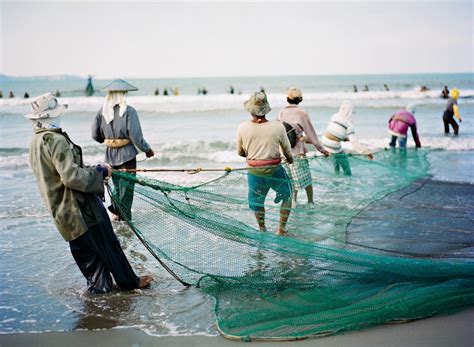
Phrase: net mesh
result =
(383, 245)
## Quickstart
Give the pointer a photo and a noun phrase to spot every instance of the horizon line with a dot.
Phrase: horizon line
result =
(235, 76)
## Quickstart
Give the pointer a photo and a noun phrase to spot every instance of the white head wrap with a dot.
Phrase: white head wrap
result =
(112, 99)
(346, 111)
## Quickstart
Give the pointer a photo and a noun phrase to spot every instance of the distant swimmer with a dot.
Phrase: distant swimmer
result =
(204, 91)
(451, 111)
(157, 91)
(398, 127)
(445, 93)
(89, 88)
(231, 90)
(424, 88)
(165, 92)
(175, 91)
(355, 89)
(10, 95)
(366, 88)
(1, 94)
(57, 94)
(387, 89)
(26, 96)
(262, 89)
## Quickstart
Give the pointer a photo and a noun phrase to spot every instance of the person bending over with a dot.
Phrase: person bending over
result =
(71, 193)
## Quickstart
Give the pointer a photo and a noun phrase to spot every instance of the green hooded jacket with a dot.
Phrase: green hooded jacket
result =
(68, 188)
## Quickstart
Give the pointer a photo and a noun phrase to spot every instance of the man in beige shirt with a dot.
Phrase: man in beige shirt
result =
(299, 119)
(260, 140)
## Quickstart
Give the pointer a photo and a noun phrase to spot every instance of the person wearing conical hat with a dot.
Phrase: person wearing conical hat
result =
(71, 193)
(260, 141)
(298, 118)
(450, 112)
(118, 127)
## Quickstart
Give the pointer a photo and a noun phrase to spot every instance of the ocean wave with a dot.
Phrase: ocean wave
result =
(200, 153)
(222, 102)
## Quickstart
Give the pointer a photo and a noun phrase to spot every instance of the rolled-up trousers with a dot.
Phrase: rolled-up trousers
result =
(99, 256)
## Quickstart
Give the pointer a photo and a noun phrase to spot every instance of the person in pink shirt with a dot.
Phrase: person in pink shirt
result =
(300, 121)
(398, 127)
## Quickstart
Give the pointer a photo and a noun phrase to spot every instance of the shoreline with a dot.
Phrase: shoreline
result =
(444, 330)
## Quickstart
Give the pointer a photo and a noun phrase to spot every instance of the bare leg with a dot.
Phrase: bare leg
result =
(309, 194)
(260, 216)
(284, 214)
(295, 196)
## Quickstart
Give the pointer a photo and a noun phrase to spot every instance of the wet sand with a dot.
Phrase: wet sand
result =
(455, 330)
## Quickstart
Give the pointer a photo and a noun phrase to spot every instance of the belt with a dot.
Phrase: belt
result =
(332, 137)
(263, 162)
(116, 143)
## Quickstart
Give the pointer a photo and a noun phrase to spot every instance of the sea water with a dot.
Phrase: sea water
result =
(41, 288)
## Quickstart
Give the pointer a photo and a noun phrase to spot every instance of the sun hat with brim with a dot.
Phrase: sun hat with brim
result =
(46, 106)
(294, 93)
(257, 104)
(119, 86)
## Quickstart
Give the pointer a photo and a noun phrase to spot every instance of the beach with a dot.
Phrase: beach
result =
(42, 299)
(453, 330)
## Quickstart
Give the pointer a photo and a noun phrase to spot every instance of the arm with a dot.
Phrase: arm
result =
(286, 146)
(135, 131)
(96, 129)
(240, 148)
(358, 147)
(311, 135)
(87, 180)
(456, 112)
(415, 135)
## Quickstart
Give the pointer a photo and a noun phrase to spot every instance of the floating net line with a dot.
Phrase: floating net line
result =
(351, 262)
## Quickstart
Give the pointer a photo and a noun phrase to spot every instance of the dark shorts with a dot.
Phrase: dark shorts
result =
(260, 185)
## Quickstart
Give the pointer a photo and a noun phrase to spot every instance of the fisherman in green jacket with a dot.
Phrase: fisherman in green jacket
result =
(71, 193)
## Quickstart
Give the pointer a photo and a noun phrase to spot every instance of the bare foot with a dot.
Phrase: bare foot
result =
(280, 231)
(145, 281)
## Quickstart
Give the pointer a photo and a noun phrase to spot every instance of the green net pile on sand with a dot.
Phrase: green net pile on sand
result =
(369, 253)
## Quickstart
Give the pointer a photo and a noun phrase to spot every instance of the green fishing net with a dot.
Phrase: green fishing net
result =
(386, 244)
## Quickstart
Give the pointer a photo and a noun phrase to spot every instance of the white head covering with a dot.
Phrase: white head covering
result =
(346, 111)
(112, 99)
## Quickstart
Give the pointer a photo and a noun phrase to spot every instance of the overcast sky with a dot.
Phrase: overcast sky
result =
(156, 39)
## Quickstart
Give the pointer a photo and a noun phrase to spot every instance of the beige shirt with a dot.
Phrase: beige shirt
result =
(297, 117)
(263, 141)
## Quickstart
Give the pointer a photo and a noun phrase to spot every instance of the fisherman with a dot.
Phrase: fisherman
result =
(259, 140)
(231, 90)
(398, 127)
(165, 92)
(117, 125)
(366, 88)
(157, 91)
(26, 96)
(71, 193)
(355, 88)
(445, 92)
(1, 94)
(11, 95)
(341, 128)
(89, 88)
(299, 120)
(451, 111)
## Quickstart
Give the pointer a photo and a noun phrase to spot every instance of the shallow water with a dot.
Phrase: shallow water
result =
(41, 288)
